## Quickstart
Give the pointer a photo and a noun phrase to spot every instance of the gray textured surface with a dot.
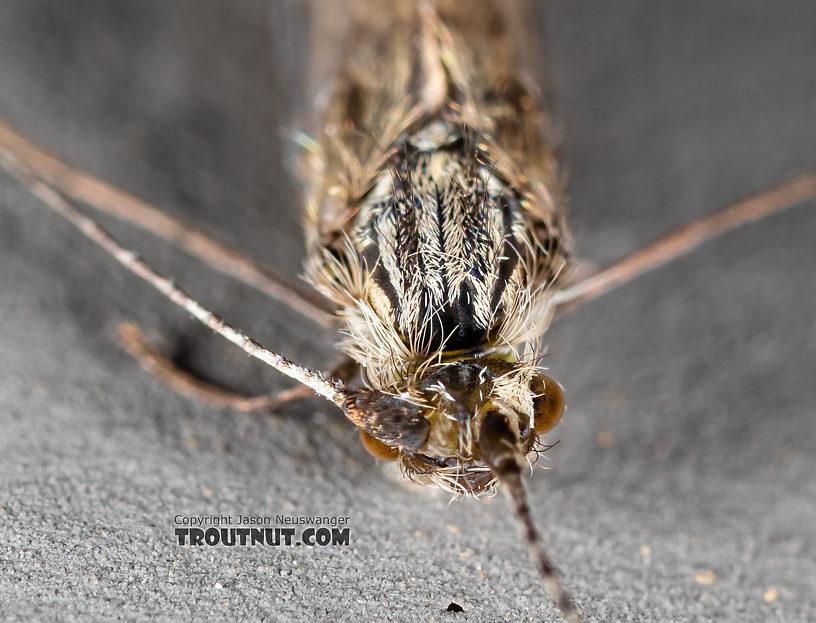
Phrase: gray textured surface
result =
(700, 374)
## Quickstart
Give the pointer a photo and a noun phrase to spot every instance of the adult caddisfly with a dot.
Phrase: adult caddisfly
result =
(440, 243)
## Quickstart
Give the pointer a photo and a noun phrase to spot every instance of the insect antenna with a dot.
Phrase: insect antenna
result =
(393, 421)
(503, 455)
(20, 154)
(514, 487)
(681, 240)
(331, 389)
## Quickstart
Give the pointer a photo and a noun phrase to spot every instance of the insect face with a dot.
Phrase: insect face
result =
(435, 421)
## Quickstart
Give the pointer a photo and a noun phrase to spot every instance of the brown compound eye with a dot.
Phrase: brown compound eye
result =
(548, 404)
(377, 448)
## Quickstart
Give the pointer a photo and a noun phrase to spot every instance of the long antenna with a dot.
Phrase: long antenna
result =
(514, 488)
(331, 389)
(503, 454)
(87, 189)
(22, 154)
(681, 240)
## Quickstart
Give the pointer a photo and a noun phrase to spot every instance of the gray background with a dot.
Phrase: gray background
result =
(701, 374)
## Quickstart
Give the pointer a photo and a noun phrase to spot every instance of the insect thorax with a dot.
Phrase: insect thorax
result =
(442, 256)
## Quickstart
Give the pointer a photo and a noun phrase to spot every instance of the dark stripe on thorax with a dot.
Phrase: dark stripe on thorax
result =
(509, 206)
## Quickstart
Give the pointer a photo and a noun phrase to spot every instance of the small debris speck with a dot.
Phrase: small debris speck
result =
(605, 439)
(771, 594)
(706, 577)
(662, 449)
(454, 607)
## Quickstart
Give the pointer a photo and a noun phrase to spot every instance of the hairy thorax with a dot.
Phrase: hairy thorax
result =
(441, 255)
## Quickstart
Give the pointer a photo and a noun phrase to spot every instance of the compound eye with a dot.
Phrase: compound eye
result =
(548, 404)
(377, 448)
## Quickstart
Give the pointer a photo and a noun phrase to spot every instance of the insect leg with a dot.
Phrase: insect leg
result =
(24, 155)
(132, 340)
(680, 241)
